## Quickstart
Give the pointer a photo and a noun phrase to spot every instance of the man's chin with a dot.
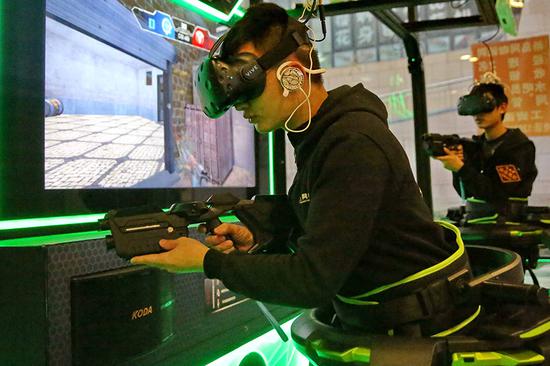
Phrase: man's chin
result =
(261, 130)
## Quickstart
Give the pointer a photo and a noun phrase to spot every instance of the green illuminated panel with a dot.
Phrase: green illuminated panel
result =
(270, 347)
(239, 13)
(210, 12)
(49, 221)
(37, 241)
(62, 221)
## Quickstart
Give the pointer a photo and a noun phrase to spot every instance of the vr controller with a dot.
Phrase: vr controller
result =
(434, 143)
(138, 230)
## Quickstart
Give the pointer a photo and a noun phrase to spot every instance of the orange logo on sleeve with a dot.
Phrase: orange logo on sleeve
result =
(508, 173)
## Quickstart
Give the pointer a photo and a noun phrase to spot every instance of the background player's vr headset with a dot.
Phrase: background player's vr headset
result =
(472, 104)
(487, 94)
(224, 82)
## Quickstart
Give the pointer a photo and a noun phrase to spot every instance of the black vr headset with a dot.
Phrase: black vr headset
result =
(222, 83)
(472, 104)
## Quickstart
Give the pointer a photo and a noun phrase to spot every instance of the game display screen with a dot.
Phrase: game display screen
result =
(120, 109)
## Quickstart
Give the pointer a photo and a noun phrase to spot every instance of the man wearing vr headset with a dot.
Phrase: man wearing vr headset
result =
(363, 230)
(500, 164)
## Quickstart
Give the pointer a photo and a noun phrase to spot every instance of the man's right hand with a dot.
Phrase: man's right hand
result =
(454, 160)
(229, 237)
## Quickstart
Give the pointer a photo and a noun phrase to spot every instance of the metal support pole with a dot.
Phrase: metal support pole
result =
(416, 69)
(418, 83)
(279, 165)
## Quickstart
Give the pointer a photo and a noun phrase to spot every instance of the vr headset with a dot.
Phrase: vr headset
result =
(222, 83)
(472, 104)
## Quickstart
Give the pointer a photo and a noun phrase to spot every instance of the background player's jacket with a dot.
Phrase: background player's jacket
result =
(498, 169)
(362, 220)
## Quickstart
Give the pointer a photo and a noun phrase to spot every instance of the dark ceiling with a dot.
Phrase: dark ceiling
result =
(383, 9)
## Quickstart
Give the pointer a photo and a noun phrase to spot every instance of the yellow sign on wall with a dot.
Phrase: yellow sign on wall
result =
(523, 66)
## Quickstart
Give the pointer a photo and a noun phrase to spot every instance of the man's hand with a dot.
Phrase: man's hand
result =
(184, 255)
(453, 161)
(242, 239)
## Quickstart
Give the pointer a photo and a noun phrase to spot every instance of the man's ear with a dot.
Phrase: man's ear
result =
(299, 65)
(291, 76)
(503, 108)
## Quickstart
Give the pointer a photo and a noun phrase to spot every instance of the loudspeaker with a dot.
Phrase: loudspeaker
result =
(119, 314)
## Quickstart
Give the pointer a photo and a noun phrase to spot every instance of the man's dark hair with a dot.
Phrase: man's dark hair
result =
(265, 25)
(496, 91)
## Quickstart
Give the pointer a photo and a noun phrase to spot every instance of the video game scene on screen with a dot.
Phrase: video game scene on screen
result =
(120, 109)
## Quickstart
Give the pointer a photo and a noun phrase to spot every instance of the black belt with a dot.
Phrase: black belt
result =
(435, 301)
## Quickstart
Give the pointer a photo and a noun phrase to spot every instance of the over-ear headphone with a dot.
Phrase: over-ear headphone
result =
(290, 77)
(224, 82)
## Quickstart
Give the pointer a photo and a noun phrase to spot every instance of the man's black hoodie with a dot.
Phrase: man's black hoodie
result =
(498, 169)
(363, 221)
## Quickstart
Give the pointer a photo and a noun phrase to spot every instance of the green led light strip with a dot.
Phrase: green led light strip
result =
(49, 221)
(209, 12)
(239, 13)
(271, 163)
(270, 347)
(68, 220)
(38, 241)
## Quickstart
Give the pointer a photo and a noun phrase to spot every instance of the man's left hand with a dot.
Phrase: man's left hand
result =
(184, 255)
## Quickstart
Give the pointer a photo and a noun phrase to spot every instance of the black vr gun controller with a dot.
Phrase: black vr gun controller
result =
(137, 231)
(434, 143)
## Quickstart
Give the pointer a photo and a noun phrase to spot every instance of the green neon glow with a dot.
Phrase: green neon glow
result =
(274, 351)
(210, 12)
(63, 238)
(355, 354)
(475, 200)
(271, 163)
(67, 220)
(511, 358)
(482, 220)
(519, 234)
(49, 221)
(358, 299)
(37, 241)
(521, 199)
(396, 101)
(167, 304)
(460, 325)
(239, 13)
(541, 329)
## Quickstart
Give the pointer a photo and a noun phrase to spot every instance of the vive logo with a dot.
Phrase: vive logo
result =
(140, 313)
(250, 73)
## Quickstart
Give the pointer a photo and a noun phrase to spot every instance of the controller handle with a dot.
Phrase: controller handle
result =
(214, 223)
